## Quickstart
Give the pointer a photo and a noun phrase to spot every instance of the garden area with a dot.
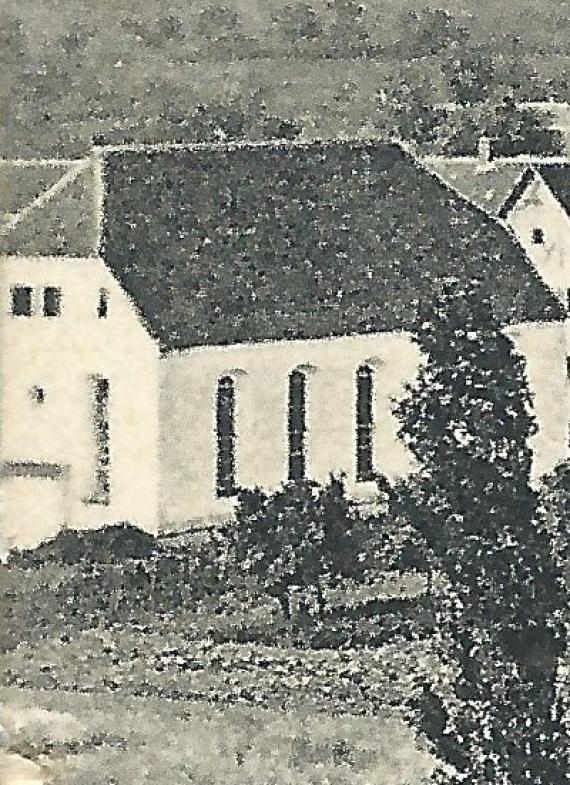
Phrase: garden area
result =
(420, 639)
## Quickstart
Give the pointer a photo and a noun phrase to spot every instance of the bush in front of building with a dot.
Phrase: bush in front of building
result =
(105, 545)
(305, 538)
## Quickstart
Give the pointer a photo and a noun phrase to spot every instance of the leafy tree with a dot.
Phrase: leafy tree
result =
(303, 535)
(514, 130)
(406, 112)
(215, 122)
(428, 31)
(278, 538)
(299, 26)
(158, 33)
(470, 71)
(348, 32)
(467, 419)
(217, 22)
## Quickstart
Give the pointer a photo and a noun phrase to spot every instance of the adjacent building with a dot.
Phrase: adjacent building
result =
(178, 321)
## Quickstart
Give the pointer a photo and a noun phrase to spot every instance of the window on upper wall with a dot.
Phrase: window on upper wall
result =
(538, 235)
(364, 423)
(226, 437)
(52, 301)
(38, 394)
(297, 425)
(21, 301)
(103, 304)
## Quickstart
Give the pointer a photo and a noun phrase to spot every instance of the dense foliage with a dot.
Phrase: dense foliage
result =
(142, 69)
(468, 418)
(296, 537)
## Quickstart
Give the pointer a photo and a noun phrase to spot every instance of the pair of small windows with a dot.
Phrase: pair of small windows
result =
(22, 301)
(538, 236)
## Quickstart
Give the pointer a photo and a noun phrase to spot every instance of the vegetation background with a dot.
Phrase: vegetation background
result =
(143, 68)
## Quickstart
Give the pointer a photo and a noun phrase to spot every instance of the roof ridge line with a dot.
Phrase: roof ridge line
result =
(248, 144)
(521, 160)
(47, 162)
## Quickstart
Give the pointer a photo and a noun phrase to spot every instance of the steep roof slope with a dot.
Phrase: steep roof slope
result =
(221, 244)
(557, 177)
(486, 186)
(496, 187)
(48, 210)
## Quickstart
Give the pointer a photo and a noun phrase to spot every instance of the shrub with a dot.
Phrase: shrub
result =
(108, 544)
(468, 419)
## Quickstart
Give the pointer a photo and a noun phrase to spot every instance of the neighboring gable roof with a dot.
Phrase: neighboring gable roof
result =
(557, 178)
(497, 187)
(487, 186)
(527, 177)
(51, 210)
(228, 243)
(21, 182)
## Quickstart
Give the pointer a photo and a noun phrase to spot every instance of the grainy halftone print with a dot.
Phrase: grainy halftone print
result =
(284, 421)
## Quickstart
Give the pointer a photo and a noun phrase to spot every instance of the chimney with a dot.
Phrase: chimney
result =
(484, 151)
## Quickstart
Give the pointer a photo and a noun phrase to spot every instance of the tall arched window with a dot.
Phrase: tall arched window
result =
(364, 423)
(297, 424)
(226, 437)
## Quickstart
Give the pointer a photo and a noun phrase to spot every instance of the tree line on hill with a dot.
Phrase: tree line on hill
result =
(446, 78)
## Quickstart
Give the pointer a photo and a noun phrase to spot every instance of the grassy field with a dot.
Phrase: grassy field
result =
(174, 699)
(70, 739)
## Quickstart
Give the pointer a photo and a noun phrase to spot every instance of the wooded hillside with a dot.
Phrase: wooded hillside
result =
(142, 68)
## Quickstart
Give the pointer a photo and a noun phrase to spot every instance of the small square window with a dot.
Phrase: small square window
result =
(538, 236)
(38, 395)
(52, 301)
(21, 301)
(103, 304)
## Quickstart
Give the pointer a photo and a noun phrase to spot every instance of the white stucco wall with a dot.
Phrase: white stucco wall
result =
(538, 208)
(59, 354)
(163, 443)
(546, 346)
(544, 349)
(188, 385)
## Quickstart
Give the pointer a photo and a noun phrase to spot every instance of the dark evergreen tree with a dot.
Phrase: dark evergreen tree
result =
(468, 419)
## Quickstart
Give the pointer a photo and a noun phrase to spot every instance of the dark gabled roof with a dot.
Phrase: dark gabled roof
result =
(557, 178)
(222, 244)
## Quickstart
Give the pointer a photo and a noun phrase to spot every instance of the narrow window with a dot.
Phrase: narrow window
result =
(21, 301)
(568, 368)
(100, 409)
(52, 301)
(103, 304)
(226, 437)
(538, 236)
(364, 424)
(297, 425)
(38, 394)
